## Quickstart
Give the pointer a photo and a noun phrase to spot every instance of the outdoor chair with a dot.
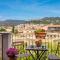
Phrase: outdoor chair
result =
(58, 46)
(23, 53)
(54, 56)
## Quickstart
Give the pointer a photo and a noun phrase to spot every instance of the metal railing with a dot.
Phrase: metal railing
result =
(51, 41)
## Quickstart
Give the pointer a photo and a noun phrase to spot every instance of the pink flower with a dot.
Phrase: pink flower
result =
(11, 52)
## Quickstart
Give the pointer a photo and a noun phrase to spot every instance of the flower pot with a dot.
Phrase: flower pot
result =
(12, 58)
(40, 35)
(38, 43)
(11, 52)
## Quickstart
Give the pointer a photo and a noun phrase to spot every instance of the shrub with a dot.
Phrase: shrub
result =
(2, 29)
(39, 30)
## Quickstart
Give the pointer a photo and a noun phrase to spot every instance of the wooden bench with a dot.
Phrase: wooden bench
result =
(53, 57)
(18, 44)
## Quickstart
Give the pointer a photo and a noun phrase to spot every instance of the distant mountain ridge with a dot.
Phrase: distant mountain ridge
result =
(45, 20)
(12, 22)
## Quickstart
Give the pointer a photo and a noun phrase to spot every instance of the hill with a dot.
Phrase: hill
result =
(12, 22)
(47, 20)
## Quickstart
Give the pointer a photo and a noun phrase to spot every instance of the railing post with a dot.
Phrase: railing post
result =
(6, 43)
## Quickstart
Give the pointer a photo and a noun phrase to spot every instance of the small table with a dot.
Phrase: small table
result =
(39, 51)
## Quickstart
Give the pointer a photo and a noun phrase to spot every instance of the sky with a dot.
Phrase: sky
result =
(29, 9)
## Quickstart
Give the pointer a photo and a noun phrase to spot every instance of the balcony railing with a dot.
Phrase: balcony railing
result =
(51, 41)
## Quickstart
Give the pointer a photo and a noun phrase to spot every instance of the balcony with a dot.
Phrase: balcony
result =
(51, 41)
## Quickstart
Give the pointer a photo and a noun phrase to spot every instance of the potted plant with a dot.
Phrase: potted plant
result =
(38, 43)
(40, 33)
(11, 52)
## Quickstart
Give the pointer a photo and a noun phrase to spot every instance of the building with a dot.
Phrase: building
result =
(54, 28)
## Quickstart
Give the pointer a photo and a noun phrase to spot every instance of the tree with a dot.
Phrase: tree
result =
(15, 31)
(2, 30)
(13, 28)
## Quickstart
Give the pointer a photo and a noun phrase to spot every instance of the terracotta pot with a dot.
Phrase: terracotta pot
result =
(12, 58)
(38, 43)
(40, 35)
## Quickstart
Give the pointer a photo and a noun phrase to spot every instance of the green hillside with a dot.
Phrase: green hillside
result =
(47, 20)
